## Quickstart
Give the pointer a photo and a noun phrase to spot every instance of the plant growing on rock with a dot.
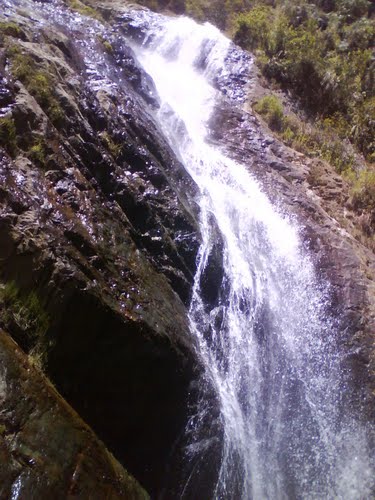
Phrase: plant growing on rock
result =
(363, 191)
(38, 152)
(11, 29)
(272, 111)
(83, 9)
(38, 82)
(8, 135)
(26, 311)
(113, 148)
(315, 140)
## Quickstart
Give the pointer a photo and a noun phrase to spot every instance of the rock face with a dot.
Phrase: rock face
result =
(46, 450)
(98, 239)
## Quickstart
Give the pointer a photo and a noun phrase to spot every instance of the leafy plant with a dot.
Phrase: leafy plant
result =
(272, 111)
(253, 28)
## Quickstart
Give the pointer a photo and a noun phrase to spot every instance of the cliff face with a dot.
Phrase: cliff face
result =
(98, 244)
(98, 236)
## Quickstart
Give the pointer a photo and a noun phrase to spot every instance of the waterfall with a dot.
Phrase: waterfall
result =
(272, 350)
(269, 344)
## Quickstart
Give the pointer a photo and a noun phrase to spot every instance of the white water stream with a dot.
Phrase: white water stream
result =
(269, 346)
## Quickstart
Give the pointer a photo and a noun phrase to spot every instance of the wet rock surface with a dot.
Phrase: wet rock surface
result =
(98, 238)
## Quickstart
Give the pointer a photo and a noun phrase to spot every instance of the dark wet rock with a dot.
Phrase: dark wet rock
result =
(46, 450)
(98, 245)
(140, 81)
(233, 82)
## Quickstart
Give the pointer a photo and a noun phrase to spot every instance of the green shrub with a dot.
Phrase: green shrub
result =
(360, 35)
(272, 111)
(253, 28)
(362, 130)
(350, 10)
(363, 191)
(38, 152)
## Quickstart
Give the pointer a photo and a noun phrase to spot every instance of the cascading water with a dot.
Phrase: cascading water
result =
(269, 344)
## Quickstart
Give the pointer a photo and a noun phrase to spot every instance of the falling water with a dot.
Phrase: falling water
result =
(269, 345)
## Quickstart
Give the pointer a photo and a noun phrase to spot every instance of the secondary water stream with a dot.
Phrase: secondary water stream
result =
(269, 345)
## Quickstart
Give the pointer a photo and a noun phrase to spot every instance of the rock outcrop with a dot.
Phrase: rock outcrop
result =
(98, 237)
(46, 450)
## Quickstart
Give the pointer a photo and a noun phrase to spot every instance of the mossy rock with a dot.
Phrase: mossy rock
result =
(38, 82)
(11, 29)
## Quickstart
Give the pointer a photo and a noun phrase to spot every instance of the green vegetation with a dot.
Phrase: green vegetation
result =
(109, 143)
(364, 191)
(8, 135)
(321, 54)
(38, 152)
(38, 82)
(83, 9)
(320, 51)
(271, 109)
(11, 29)
(25, 310)
(108, 47)
(315, 140)
(106, 44)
